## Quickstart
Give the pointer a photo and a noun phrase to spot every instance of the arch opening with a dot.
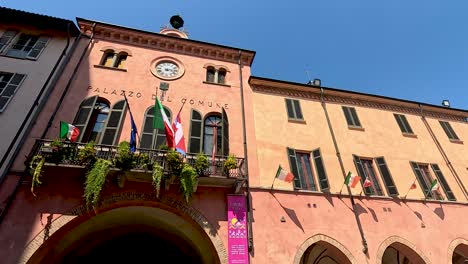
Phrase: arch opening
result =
(460, 254)
(397, 253)
(132, 234)
(322, 252)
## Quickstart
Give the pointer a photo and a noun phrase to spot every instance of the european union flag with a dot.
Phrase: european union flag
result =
(133, 135)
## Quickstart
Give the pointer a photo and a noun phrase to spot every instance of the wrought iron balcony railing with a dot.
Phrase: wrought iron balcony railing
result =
(70, 156)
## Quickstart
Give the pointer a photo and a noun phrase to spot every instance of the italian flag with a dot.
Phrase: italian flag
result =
(435, 186)
(284, 175)
(352, 180)
(69, 131)
(161, 121)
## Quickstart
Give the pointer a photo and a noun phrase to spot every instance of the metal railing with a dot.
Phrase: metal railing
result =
(69, 155)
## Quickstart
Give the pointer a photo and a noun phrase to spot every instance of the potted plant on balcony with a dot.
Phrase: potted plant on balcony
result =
(175, 164)
(188, 181)
(57, 151)
(201, 164)
(87, 155)
(230, 163)
(124, 159)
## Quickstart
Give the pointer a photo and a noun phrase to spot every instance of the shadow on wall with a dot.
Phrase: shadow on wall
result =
(291, 213)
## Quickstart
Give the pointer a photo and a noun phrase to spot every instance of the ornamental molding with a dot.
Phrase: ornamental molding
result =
(165, 43)
(315, 96)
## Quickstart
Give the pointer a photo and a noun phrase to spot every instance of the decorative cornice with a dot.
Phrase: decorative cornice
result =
(313, 94)
(165, 43)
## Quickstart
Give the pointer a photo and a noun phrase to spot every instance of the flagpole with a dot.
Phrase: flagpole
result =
(130, 111)
(180, 110)
(273, 183)
(342, 188)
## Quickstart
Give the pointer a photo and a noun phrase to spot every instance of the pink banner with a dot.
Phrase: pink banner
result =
(238, 250)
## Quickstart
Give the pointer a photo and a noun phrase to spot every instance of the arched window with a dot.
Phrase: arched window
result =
(121, 59)
(108, 58)
(195, 132)
(222, 76)
(216, 134)
(97, 122)
(153, 138)
(210, 74)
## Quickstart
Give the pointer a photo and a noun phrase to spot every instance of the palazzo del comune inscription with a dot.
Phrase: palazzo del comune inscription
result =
(133, 94)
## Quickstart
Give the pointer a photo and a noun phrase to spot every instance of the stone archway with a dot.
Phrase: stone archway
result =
(320, 247)
(122, 204)
(397, 247)
(458, 251)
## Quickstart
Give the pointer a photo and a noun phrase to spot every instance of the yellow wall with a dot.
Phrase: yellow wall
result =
(380, 137)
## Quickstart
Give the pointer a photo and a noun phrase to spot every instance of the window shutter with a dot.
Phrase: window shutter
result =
(146, 140)
(195, 132)
(362, 174)
(160, 134)
(10, 89)
(6, 38)
(424, 185)
(114, 123)
(400, 123)
(38, 47)
(406, 124)
(294, 169)
(355, 116)
(297, 109)
(289, 108)
(225, 129)
(347, 114)
(448, 130)
(83, 115)
(443, 182)
(391, 188)
(322, 176)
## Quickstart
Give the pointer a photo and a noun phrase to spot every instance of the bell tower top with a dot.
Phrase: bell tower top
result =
(175, 31)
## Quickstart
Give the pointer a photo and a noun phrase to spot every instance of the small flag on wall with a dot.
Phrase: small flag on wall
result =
(69, 131)
(435, 186)
(367, 183)
(413, 186)
(284, 175)
(352, 180)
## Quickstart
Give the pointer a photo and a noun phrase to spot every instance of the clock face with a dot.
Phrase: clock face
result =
(167, 69)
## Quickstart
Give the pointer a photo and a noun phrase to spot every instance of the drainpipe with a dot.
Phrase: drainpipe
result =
(38, 106)
(67, 87)
(442, 152)
(244, 138)
(340, 160)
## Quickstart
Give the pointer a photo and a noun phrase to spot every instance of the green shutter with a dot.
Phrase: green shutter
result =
(114, 123)
(443, 182)
(425, 186)
(225, 130)
(290, 109)
(195, 132)
(293, 165)
(385, 173)
(319, 166)
(83, 115)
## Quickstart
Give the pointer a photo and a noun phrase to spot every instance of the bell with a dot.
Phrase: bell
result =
(176, 22)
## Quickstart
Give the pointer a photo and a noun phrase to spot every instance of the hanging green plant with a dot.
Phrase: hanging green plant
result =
(36, 171)
(188, 178)
(87, 155)
(158, 174)
(201, 164)
(95, 179)
(57, 154)
(124, 159)
(143, 161)
(174, 162)
(230, 163)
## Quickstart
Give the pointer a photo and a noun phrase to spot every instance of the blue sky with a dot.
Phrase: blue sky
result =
(415, 50)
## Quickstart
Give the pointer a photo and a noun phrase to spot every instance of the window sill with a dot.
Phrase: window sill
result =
(109, 68)
(358, 128)
(297, 121)
(19, 58)
(410, 135)
(456, 141)
(220, 84)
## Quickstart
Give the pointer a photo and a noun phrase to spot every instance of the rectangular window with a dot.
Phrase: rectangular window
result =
(304, 176)
(366, 170)
(351, 116)
(9, 83)
(27, 46)
(294, 109)
(449, 130)
(425, 180)
(6, 39)
(403, 124)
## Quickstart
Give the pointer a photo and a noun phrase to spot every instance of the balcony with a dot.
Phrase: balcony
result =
(214, 176)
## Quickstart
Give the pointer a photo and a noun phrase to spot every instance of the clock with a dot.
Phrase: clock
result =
(167, 68)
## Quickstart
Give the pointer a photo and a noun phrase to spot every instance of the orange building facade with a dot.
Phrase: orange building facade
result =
(399, 149)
